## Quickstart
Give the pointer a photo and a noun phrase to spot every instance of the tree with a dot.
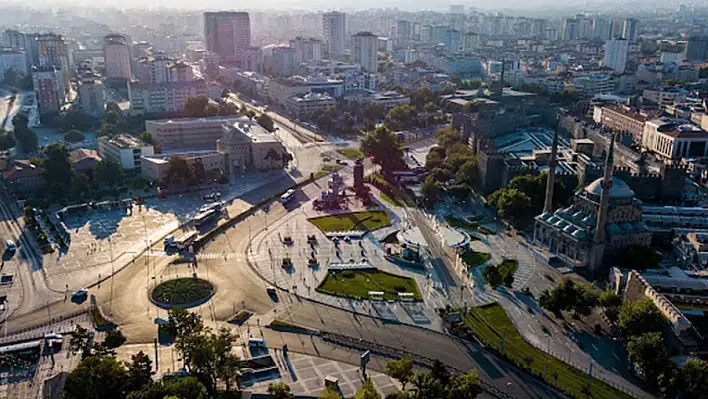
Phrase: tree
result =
(638, 257)
(20, 120)
(74, 136)
(7, 141)
(108, 172)
(401, 369)
(178, 172)
(467, 172)
(183, 388)
(461, 192)
(426, 386)
(196, 106)
(329, 393)
(140, 371)
(402, 116)
(639, 317)
(211, 109)
(148, 138)
(208, 356)
(81, 182)
(383, 146)
(465, 386)
(57, 169)
(422, 96)
(694, 379)
(198, 173)
(266, 122)
(492, 275)
(511, 203)
(80, 341)
(368, 390)
(374, 112)
(648, 353)
(569, 295)
(430, 191)
(26, 138)
(609, 298)
(114, 339)
(280, 390)
(97, 378)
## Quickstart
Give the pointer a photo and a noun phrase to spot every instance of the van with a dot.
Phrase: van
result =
(11, 247)
(257, 342)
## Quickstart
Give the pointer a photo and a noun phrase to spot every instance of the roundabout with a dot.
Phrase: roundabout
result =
(181, 292)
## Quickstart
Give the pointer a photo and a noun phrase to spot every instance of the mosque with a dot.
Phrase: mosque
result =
(605, 217)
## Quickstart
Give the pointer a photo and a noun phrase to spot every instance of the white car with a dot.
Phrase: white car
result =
(79, 293)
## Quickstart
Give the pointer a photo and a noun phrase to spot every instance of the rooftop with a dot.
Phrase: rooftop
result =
(125, 141)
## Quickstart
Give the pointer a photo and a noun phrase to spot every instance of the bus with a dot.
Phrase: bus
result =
(204, 217)
(287, 196)
(181, 242)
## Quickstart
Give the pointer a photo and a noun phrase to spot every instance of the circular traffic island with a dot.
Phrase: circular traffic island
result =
(182, 293)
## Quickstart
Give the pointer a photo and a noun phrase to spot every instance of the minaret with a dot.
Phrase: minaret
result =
(598, 245)
(551, 180)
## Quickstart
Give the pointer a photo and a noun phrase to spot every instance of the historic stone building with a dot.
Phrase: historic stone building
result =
(604, 218)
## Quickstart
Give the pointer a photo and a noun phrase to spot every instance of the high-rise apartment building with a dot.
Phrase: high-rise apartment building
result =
(91, 95)
(334, 31)
(52, 50)
(570, 29)
(228, 34)
(48, 88)
(180, 72)
(616, 54)
(602, 28)
(14, 59)
(630, 29)
(365, 51)
(404, 33)
(116, 53)
(697, 48)
(283, 61)
(307, 49)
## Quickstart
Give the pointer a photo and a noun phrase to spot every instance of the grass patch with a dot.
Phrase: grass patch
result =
(358, 284)
(330, 168)
(284, 324)
(393, 200)
(486, 231)
(182, 291)
(240, 317)
(472, 258)
(351, 153)
(370, 220)
(98, 318)
(486, 322)
(460, 223)
(507, 267)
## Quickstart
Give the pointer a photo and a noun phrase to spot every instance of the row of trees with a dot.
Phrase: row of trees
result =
(437, 383)
(452, 162)
(643, 326)
(523, 198)
(207, 356)
(569, 295)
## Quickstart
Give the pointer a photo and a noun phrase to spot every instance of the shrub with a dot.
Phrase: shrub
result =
(348, 274)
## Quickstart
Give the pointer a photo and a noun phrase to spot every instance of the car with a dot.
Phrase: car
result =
(326, 159)
(11, 246)
(271, 290)
(79, 293)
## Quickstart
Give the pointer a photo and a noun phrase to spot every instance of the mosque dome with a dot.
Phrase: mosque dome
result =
(619, 189)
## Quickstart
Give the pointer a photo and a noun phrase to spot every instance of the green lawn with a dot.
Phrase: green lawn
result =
(370, 220)
(473, 258)
(460, 223)
(358, 283)
(486, 322)
(182, 291)
(351, 153)
(330, 168)
(507, 266)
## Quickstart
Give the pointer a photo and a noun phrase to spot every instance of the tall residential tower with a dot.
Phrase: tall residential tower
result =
(334, 31)
(228, 34)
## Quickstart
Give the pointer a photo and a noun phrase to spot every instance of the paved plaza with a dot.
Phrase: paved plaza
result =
(268, 250)
(106, 240)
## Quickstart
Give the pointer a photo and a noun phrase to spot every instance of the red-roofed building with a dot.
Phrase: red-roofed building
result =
(84, 159)
(21, 175)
